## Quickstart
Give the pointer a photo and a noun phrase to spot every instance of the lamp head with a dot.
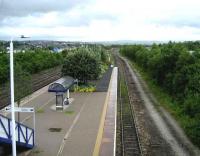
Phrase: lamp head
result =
(22, 36)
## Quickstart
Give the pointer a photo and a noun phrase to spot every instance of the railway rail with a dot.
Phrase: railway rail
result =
(38, 81)
(151, 139)
(128, 141)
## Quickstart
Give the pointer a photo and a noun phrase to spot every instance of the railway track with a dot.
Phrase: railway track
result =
(38, 81)
(128, 144)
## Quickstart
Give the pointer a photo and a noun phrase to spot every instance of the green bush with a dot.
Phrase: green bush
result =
(84, 88)
(82, 65)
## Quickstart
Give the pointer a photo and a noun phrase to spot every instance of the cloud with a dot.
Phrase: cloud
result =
(180, 22)
(15, 8)
(101, 19)
(180, 17)
(54, 19)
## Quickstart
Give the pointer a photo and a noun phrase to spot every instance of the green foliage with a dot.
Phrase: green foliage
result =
(170, 65)
(177, 71)
(191, 105)
(192, 45)
(104, 68)
(35, 61)
(4, 67)
(23, 85)
(84, 63)
(30, 62)
(26, 64)
(83, 88)
(2, 47)
(65, 52)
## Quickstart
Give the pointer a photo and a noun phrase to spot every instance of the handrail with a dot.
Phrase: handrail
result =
(24, 134)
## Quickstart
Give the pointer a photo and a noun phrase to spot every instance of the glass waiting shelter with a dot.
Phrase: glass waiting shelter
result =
(61, 87)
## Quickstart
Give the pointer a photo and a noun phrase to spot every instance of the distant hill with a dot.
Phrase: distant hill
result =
(127, 42)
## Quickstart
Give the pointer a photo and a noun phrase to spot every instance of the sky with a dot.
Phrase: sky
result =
(101, 20)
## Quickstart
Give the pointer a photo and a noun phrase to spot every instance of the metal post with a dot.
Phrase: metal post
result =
(56, 99)
(34, 125)
(67, 102)
(62, 101)
(68, 94)
(12, 99)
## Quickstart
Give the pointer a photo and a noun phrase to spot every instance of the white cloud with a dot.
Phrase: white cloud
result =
(110, 20)
(15, 8)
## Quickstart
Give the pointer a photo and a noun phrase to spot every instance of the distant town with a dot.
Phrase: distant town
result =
(54, 46)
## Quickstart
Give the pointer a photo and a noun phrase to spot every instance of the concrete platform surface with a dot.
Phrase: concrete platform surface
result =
(69, 133)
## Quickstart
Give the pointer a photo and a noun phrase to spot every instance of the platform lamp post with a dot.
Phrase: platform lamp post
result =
(14, 152)
(12, 100)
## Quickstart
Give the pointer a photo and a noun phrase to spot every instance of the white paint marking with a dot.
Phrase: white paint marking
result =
(71, 127)
(115, 92)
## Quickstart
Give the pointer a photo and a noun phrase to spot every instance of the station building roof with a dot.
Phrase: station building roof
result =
(62, 84)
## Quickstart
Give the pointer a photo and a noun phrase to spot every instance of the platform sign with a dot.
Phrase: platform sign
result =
(20, 109)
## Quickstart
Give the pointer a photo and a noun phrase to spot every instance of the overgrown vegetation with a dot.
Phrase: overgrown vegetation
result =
(175, 68)
(85, 64)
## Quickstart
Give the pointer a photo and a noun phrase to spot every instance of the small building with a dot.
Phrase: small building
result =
(60, 87)
(56, 50)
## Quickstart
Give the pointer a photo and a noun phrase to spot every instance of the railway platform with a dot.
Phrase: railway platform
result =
(78, 130)
(106, 139)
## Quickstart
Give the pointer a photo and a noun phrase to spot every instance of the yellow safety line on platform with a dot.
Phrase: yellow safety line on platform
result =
(101, 126)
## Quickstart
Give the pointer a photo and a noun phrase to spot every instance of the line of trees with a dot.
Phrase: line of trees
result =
(176, 69)
(30, 62)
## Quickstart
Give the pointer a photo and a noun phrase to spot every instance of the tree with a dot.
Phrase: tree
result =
(4, 68)
(81, 65)
(191, 105)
